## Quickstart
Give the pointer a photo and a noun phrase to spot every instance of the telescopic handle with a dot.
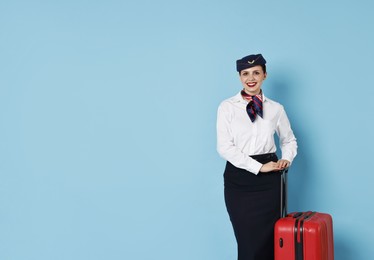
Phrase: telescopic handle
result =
(284, 201)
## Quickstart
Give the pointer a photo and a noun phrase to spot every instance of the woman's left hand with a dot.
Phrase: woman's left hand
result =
(283, 164)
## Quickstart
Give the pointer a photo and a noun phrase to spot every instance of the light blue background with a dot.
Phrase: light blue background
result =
(108, 113)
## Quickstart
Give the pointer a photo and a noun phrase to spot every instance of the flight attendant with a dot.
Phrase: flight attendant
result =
(246, 125)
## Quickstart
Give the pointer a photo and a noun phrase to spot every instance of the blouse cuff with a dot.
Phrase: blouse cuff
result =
(255, 169)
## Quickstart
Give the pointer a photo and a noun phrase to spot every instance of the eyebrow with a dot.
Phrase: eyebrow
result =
(246, 71)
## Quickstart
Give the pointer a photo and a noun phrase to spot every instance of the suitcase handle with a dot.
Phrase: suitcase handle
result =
(284, 201)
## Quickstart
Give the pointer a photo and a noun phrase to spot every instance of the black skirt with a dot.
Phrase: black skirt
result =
(253, 204)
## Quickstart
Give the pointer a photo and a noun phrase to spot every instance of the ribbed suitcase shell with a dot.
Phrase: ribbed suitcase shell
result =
(304, 236)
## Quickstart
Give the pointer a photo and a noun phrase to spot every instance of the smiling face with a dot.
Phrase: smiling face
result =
(252, 79)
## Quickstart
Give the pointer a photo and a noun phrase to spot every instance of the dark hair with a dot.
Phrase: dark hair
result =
(263, 66)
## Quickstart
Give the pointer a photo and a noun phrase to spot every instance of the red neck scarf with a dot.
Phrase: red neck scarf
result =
(254, 106)
(249, 97)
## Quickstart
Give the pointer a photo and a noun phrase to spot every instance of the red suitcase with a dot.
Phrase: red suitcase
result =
(303, 235)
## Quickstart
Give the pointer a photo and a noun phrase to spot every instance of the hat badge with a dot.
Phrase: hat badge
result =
(251, 62)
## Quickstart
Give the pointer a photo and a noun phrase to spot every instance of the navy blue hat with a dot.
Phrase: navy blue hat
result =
(250, 61)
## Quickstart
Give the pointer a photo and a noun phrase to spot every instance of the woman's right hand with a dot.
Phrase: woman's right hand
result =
(270, 166)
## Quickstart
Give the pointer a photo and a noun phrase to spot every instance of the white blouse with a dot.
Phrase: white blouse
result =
(238, 137)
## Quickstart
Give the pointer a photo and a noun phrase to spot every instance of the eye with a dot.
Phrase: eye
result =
(245, 73)
(256, 73)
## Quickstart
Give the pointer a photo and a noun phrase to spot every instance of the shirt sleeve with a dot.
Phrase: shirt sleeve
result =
(287, 139)
(225, 143)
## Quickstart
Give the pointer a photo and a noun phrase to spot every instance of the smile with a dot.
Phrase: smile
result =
(251, 84)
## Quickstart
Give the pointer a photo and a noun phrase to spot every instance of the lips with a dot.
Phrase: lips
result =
(251, 84)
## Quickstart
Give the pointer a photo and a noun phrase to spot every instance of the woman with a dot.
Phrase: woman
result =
(246, 124)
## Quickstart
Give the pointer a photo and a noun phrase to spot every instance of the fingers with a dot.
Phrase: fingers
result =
(275, 166)
(270, 166)
(283, 164)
